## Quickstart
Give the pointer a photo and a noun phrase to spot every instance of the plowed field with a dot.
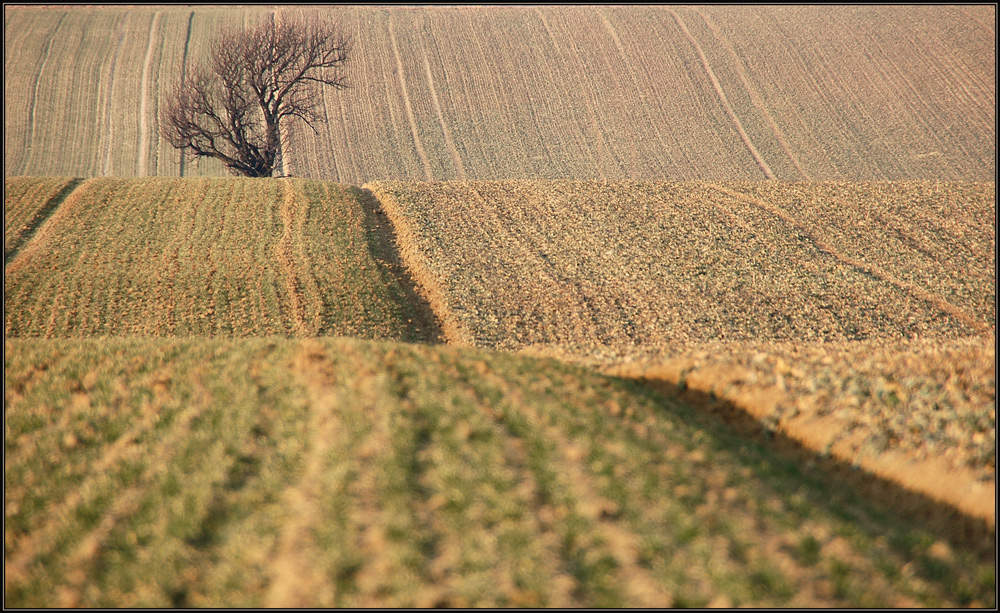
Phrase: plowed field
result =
(516, 263)
(282, 472)
(558, 92)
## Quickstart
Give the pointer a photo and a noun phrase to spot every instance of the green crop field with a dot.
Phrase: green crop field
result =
(322, 472)
(207, 257)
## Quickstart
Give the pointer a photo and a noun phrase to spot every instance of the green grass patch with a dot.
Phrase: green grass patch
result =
(204, 257)
(355, 473)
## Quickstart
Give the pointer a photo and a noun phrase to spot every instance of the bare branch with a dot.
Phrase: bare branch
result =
(233, 109)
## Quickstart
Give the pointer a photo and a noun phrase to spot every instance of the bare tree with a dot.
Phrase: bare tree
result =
(232, 110)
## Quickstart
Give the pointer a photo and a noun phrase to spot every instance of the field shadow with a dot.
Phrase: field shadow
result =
(873, 503)
(43, 214)
(425, 326)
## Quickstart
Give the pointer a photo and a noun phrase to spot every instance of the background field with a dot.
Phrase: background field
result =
(717, 93)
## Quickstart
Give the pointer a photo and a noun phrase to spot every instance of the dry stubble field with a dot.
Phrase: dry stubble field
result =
(593, 264)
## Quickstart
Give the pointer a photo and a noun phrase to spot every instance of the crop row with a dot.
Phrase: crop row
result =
(625, 263)
(206, 257)
(341, 472)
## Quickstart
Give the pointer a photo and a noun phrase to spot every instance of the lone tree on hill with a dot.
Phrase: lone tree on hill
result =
(233, 109)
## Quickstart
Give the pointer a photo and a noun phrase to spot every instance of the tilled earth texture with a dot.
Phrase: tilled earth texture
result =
(596, 264)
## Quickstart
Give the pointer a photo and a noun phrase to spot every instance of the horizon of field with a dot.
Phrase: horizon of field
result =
(553, 92)
(192, 472)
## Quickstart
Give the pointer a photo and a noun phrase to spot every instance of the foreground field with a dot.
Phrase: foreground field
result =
(206, 257)
(254, 472)
(510, 264)
(556, 92)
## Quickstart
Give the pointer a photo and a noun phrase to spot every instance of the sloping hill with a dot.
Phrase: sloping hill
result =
(208, 470)
(209, 257)
(718, 93)
(323, 472)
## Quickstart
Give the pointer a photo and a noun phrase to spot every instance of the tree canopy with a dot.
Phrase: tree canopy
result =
(232, 108)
